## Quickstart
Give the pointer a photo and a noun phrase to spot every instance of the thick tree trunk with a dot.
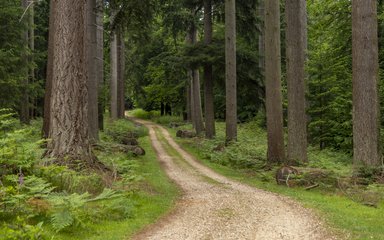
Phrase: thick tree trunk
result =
(24, 103)
(230, 70)
(48, 83)
(100, 59)
(69, 110)
(114, 77)
(121, 74)
(208, 79)
(296, 46)
(92, 84)
(274, 107)
(365, 81)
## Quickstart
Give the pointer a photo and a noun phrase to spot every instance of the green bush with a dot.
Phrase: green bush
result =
(20, 230)
(142, 114)
(123, 128)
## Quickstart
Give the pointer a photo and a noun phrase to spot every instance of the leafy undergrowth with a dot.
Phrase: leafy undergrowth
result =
(41, 202)
(246, 160)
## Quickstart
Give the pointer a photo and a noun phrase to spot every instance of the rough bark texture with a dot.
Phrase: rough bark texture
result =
(230, 70)
(100, 58)
(24, 103)
(296, 46)
(365, 81)
(273, 83)
(209, 111)
(194, 78)
(92, 83)
(114, 76)
(48, 83)
(121, 74)
(69, 114)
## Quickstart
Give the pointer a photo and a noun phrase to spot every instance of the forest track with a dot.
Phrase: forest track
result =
(215, 207)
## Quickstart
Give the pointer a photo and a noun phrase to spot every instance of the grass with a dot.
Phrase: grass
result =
(145, 192)
(154, 198)
(241, 161)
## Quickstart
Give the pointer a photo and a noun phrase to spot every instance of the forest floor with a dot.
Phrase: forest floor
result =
(215, 207)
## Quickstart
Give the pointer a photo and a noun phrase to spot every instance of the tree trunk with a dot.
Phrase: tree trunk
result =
(196, 94)
(48, 83)
(273, 96)
(114, 76)
(261, 15)
(92, 83)
(100, 59)
(24, 103)
(32, 48)
(69, 104)
(230, 70)
(296, 46)
(121, 74)
(194, 83)
(208, 79)
(365, 81)
(188, 94)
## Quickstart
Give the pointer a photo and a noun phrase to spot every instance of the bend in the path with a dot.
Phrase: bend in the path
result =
(223, 208)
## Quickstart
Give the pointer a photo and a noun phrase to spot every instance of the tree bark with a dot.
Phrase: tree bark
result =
(100, 59)
(32, 48)
(114, 76)
(121, 74)
(296, 46)
(365, 81)
(230, 71)
(196, 94)
(274, 107)
(48, 83)
(24, 103)
(208, 79)
(261, 43)
(69, 103)
(188, 94)
(92, 83)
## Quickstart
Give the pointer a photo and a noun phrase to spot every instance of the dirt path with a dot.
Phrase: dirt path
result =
(215, 207)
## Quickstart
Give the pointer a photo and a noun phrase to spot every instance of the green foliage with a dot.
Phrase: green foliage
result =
(330, 81)
(71, 210)
(142, 114)
(123, 128)
(20, 230)
(64, 179)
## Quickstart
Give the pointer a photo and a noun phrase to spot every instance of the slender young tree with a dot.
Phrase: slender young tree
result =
(261, 15)
(48, 83)
(273, 96)
(365, 80)
(100, 58)
(209, 111)
(114, 76)
(194, 75)
(230, 71)
(32, 48)
(121, 74)
(296, 46)
(69, 99)
(24, 103)
(92, 84)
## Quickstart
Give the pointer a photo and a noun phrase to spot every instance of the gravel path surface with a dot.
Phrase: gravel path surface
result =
(215, 207)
